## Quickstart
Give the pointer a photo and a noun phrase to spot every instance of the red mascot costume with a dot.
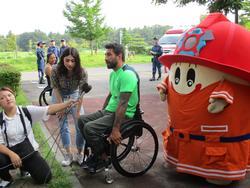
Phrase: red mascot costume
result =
(208, 95)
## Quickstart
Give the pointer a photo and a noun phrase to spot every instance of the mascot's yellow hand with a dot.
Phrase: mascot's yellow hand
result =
(216, 105)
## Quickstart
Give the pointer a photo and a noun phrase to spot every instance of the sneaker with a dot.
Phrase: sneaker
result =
(4, 184)
(152, 79)
(79, 158)
(68, 158)
(88, 162)
(99, 165)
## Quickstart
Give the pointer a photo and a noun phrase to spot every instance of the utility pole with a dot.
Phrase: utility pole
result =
(120, 36)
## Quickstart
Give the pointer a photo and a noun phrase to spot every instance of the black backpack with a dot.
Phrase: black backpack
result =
(26, 112)
(138, 110)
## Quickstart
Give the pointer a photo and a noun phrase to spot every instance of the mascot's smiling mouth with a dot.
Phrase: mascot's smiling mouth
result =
(197, 89)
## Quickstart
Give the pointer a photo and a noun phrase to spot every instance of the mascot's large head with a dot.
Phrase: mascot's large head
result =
(213, 47)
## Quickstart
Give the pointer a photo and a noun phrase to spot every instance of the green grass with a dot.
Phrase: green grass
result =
(26, 61)
(60, 177)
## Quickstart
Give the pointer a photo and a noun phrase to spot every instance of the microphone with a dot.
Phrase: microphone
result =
(85, 89)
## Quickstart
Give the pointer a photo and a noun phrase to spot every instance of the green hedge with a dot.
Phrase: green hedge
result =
(9, 76)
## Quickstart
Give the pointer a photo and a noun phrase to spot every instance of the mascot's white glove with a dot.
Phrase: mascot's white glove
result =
(162, 89)
(216, 105)
(163, 95)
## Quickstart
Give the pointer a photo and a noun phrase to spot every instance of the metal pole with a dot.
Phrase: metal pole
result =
(120, 37)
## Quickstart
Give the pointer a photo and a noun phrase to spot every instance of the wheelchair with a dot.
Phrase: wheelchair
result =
(137, 152)
(45, 96)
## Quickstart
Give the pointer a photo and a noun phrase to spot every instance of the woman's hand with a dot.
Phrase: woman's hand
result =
(69, 104)
(15, 160)
(60, 114)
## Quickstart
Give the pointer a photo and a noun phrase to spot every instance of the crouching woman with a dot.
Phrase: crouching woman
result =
(18, 147)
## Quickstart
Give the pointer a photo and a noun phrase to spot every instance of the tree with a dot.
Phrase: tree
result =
(27, 41)
(2, 43)
(213, 5)
(126, 37)
(10, 42)
(245, 16)
(138, 45)
(86, 20)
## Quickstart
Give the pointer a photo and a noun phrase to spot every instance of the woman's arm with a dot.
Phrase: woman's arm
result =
(54, 108)
(83, 81)
(78, 108)
(57, 95)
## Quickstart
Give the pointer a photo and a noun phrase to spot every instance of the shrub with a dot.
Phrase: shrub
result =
(9, 76)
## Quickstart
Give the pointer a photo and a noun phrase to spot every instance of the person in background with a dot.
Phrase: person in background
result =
(63, 46)
(51, 60)
(156, 52)
(67, 79)
(40, 62)
(17, 138)
(54, 49)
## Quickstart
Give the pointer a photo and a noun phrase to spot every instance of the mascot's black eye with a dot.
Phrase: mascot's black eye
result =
(190, 77)
(177, 75)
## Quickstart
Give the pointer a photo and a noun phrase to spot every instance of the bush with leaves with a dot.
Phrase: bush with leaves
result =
(9, 76)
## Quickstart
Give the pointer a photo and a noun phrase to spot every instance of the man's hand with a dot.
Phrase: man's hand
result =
(115, 136)
(15, 160)
(152, 52)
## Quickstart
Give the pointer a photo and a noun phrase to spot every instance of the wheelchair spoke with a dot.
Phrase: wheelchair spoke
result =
(125, 145)
(138, 164)
(144, 138)
(140, 160)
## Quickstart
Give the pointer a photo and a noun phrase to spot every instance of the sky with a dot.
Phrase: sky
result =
(21, 16)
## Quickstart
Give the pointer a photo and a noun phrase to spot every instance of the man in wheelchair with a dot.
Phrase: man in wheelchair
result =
(119, 106)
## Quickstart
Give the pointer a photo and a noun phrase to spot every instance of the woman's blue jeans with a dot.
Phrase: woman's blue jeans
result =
(64, 126)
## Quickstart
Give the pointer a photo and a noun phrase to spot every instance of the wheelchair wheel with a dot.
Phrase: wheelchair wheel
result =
(45, 96)
(137, 153)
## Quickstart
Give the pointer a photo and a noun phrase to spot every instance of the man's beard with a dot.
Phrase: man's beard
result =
(111, 64)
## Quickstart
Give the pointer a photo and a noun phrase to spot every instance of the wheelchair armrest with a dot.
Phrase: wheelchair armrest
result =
(131, 127)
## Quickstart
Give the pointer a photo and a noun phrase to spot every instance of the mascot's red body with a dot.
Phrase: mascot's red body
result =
(208, 90)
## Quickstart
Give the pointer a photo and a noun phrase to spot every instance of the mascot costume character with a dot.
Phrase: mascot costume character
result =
(208, 95)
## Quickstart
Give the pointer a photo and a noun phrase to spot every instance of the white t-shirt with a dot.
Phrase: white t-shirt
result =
(14, 127)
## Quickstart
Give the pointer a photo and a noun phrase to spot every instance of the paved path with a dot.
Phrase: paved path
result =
(159, 175)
